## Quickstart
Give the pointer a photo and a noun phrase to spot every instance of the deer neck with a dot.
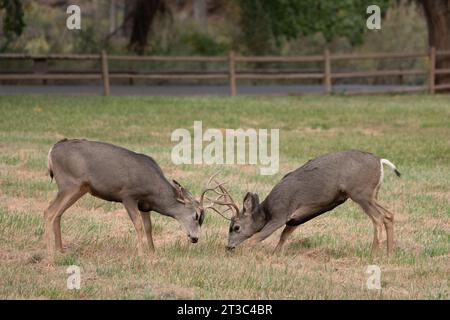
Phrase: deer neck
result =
(166, 202)
(260, 217)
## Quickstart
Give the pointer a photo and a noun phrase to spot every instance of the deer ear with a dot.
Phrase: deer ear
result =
(179, 190)
(183, 195)
(177, 184)
(251, 201)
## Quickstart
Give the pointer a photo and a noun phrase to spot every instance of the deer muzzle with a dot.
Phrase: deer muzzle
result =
(193, 239)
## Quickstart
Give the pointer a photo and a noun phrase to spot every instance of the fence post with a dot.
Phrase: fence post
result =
(105, 73)
(432, 70)
(232, 73)
(40, 66)
(327, 72)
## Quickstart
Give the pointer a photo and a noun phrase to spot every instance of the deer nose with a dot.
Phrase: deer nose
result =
(229, 248)
(194, 239)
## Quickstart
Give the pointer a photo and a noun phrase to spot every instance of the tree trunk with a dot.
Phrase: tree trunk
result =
(437, 14)
(112, 16)
(142, 15)
(200, 12)
(127, 22)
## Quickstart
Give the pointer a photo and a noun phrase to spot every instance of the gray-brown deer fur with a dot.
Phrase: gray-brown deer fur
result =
(116, 174)
(315, 188)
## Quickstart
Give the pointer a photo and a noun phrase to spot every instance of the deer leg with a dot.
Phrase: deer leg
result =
(377, 231)
(63, 201)
(146, 218)
(377, 220)
(48, 215)
(388, 221)
(287, 231)
(267, 230)
(133, 211)
(299, 216)
(67, 203)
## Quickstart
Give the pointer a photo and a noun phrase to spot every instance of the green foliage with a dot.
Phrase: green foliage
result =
(204, 44)
(263, 21)
(87, 41)
(257, 26)
(13, 23)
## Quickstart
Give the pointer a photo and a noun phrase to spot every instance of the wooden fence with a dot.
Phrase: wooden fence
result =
(40, 69)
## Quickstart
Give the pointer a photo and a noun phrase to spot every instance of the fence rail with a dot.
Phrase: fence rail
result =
(40, 69)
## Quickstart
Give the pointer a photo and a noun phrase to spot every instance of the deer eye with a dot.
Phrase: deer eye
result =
(236, 228)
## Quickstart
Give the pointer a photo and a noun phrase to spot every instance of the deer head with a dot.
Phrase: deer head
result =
(190, 213)
(243, 223)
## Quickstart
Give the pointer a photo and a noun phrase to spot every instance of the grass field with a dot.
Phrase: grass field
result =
(325, 258)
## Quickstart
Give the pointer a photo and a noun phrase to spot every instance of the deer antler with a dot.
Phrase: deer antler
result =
(224, 198)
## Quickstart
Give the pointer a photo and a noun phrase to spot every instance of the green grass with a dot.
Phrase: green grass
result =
(325, 258)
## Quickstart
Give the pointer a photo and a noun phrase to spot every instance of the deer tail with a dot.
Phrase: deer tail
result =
(49, 164)
(390, 165)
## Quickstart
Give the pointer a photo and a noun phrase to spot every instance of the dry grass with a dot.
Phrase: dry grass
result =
(326, 258)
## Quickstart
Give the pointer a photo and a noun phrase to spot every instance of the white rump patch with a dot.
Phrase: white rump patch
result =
(49, 159)
(388, 163)
(381, 177)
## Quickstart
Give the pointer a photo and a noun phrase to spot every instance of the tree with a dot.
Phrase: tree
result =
(437, 15)
(112, 16)
(266, 21)
(200, 11)
(257, 26)
(13, 23)
(142, 15)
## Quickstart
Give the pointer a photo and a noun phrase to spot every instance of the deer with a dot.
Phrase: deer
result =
(116, 174)
(317, 187)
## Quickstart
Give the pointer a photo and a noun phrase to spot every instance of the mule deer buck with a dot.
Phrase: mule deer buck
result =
(116, 174)
(318, 186)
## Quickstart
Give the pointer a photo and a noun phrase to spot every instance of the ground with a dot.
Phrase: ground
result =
(325, 258)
